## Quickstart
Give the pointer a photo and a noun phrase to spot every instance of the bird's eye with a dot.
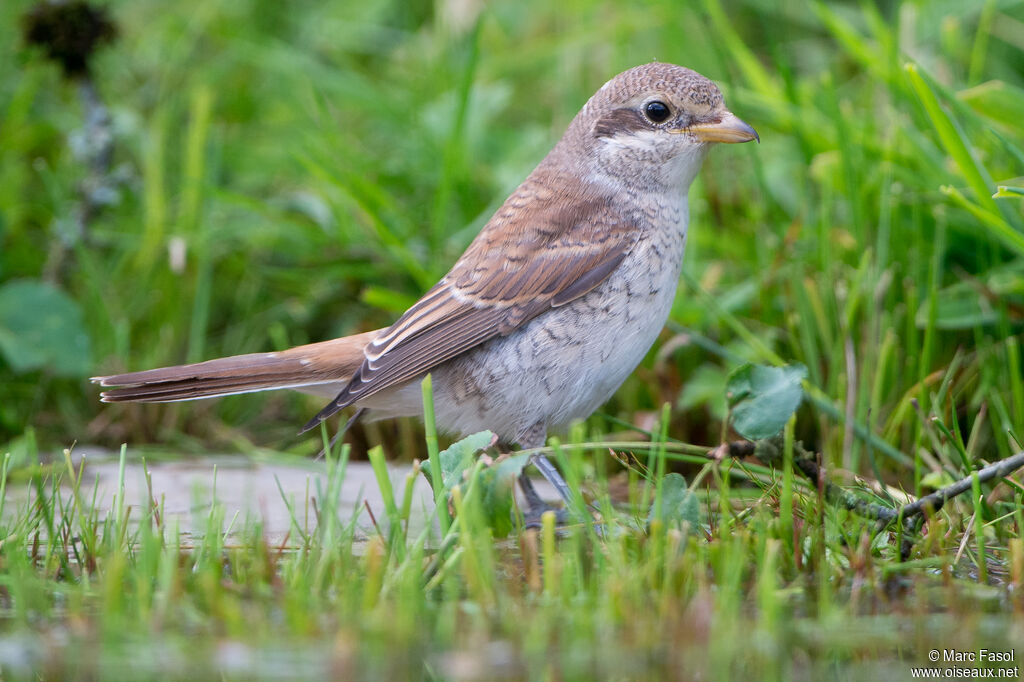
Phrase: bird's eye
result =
(658, 112)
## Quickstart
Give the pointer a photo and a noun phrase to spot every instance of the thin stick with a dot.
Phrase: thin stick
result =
(767, 451)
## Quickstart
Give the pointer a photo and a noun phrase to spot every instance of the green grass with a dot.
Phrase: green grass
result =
(320, 165)
(746, 592)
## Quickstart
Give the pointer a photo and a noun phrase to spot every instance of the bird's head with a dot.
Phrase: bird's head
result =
(654, 124)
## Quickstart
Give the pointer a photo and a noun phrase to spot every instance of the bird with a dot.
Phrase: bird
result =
(550, 308)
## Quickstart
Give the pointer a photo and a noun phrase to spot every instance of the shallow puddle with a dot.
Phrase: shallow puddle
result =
(249, 490)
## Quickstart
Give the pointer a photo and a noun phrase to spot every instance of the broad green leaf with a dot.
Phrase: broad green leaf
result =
(678, 504)
(456, 459)
(498, 483)
(762, 399)
(42, 327)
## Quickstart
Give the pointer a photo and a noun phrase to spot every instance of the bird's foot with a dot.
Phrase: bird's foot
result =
(537, 506)
(534, 517)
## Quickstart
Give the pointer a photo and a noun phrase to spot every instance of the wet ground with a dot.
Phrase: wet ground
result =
(250, 488)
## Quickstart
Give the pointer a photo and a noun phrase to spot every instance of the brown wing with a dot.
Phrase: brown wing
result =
(539, 251)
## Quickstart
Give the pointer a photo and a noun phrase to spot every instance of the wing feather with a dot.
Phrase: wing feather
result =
(540, 250)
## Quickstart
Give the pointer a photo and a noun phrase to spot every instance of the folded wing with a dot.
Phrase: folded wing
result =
(541, 250)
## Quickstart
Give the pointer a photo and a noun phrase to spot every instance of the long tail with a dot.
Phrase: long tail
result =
(303, 367)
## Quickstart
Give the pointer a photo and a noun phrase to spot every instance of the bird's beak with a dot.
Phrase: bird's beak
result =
(728, 129)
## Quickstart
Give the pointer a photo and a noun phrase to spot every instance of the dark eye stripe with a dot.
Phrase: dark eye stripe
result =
(625, 120)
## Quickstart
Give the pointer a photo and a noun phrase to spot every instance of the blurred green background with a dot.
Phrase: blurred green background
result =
(289, 172)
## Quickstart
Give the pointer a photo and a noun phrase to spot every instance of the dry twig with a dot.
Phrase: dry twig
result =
(912, 514)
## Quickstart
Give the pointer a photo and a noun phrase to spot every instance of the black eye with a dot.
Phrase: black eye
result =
(658, 112)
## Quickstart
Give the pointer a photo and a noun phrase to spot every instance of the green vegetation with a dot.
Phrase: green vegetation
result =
(291, 172)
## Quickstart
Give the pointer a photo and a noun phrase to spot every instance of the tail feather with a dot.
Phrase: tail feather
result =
(301, 367)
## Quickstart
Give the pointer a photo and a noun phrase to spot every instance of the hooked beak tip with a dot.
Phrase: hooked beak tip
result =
(730, 129)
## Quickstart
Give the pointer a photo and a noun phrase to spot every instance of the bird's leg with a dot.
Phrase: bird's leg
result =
(533, 499)
(532, 517)
(535, 438)
(548, 470)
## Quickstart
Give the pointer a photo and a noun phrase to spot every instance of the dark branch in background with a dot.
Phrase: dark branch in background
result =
(912, 514)
(69, 34)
